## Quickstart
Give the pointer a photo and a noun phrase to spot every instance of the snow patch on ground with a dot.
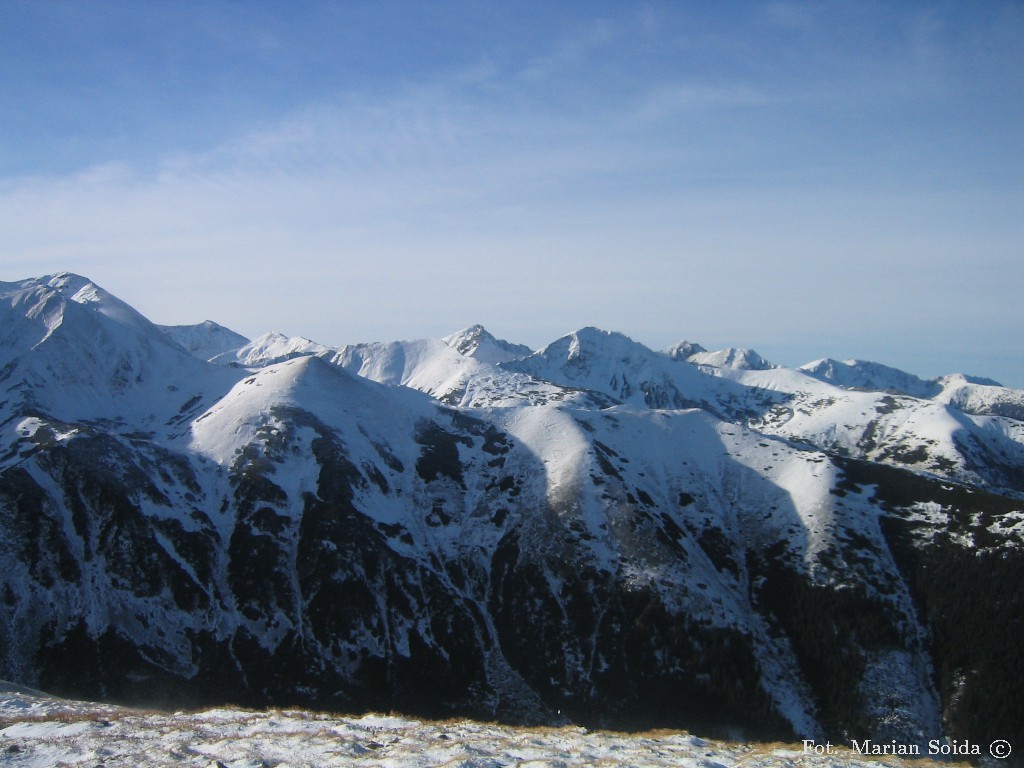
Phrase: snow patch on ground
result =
(39, 731)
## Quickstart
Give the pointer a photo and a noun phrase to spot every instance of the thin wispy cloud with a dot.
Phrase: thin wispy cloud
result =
(569, 55)
(753, 180)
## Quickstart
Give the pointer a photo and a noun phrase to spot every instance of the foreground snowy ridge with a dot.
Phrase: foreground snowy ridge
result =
(38, 731)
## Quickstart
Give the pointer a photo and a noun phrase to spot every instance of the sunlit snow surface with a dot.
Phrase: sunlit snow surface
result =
(41, 731)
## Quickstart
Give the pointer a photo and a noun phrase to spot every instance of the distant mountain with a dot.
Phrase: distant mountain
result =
(621, 369)
(862, 374)
(478, 343)
(970, 394)
(980, 397)
(741, 359)
(684, 350)
(268, 349)
(592, 531)
(206, 340)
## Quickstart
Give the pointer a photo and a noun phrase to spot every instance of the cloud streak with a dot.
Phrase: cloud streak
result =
(629, 172)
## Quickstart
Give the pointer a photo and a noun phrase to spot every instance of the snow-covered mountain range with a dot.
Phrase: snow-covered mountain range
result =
(594, 532)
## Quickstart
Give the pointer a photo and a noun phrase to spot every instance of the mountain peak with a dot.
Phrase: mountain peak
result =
(84, 291)
(731, 357)
(683, 350)
(864, 374)
(585, 344)
(477, 342)
(204, 340)
(67, 283)
(468, 337)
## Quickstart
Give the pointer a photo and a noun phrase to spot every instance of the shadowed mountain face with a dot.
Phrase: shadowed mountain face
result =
(594, 532)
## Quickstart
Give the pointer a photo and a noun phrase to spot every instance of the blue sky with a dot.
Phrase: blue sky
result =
(808, 179)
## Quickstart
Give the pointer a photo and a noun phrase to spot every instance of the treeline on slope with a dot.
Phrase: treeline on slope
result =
(832, 632)
(968, 586)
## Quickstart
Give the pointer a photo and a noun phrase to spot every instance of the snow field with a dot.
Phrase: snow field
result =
(39, 731)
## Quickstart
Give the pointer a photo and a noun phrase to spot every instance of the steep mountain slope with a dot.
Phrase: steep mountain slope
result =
(594, 531)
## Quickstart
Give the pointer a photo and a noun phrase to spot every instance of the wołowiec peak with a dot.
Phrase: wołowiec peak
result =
(594, 532)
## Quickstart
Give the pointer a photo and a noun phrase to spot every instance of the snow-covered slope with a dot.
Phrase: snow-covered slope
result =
(39, 731)
(595, 531)
(966, 432)
(466, 378)
(450, 376)
(968, 394)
